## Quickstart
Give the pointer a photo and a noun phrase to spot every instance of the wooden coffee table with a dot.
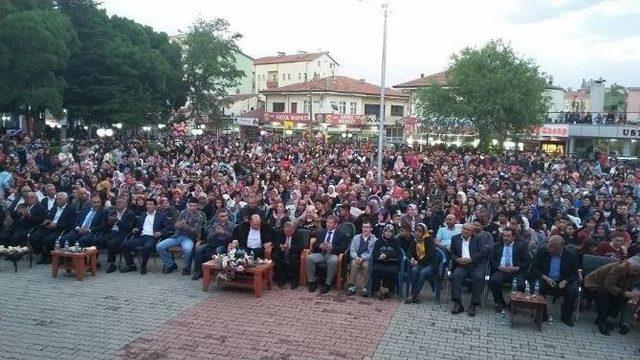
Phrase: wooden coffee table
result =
(78, 262)
(521, 301)
(260, 275)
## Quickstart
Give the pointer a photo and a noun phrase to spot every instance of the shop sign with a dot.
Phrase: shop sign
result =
(280, 117)
(629, 132)
(552, 131)
(337, 119)
(247, 121)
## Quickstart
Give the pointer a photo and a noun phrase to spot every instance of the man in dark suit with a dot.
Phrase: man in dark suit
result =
(254, 236)
(61, 218)
(151, 227)
(287, 247)
(469, 255)
(120, 223)
(329, 244)
(25, 217)
(48, 202)
(556, 268)
(90, 223)
(510, 260)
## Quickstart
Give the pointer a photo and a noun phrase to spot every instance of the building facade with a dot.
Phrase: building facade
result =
(272, 72)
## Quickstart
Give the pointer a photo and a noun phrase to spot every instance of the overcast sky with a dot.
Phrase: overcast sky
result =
(569, 39)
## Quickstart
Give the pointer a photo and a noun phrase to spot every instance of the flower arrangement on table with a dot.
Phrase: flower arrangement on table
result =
(13, 250)
(78, 249)
(233, 262)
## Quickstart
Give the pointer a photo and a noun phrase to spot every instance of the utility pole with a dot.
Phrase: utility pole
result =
(381, 135)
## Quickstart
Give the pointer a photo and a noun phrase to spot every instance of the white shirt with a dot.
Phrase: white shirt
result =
(147, 226)
(58, 214)
(253, 239)
(50, 203)
(465, 248)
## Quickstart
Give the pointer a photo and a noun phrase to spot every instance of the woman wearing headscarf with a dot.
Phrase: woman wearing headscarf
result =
(386, 257)
(423, 259)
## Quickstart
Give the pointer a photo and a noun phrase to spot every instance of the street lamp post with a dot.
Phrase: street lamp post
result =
(385, 8)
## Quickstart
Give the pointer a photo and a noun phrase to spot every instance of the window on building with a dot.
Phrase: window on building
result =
(372, 109)
(342, 105)
(397, 110)
(305, 76)
(278, 107)
(353, 108)
(288, 76)
(305, 106)
(294, 107)
(319, 64)
(299, 76)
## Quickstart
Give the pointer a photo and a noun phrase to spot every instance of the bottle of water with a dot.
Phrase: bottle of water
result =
(536, 288)
(527, 289)
(66, 244)
(56, 245)
(514, 285)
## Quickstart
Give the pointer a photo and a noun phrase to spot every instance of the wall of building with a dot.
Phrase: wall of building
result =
(557, 100)
(596, 97)
(291, 73)
(633, 105)
(245, 85)
(243, 106)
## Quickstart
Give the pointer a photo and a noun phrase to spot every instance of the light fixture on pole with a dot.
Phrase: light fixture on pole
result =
(146, 128)
(101, 132)
(117, 125)
(108, 132)
(161, 126)
(385, 8)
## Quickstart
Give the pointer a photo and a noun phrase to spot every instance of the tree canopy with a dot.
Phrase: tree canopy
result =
(499, 92)
(615, 99)
(210, 66)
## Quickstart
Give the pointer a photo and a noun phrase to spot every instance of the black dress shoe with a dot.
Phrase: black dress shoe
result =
(294, 285)
(111, 268)
(457, 309)
(472, 310)
(128, 268)
(143, 270)
(325, 289)
(603, 328)
(569, 322)
(170, 269)
(186, 271)
(196, 275)
(624, 329)
(312, 287)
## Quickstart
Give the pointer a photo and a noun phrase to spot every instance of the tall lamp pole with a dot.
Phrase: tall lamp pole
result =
(385, 8)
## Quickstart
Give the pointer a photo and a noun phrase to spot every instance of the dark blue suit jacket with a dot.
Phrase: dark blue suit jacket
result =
(160, 223)
(477, 250)
(97, 223)
(125, 224)
(339, 242)
(67, 218)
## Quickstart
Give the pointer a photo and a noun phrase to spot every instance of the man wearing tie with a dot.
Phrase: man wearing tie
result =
(326, 249)
(286, 255)
(510, 259)
(120, 222)
(61, 218)
(90, 223)
(469, 257)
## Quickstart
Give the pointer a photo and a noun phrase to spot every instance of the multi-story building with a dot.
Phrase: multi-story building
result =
(281, 70)
(336, 103)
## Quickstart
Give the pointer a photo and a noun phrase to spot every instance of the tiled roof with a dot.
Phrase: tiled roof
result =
(279, 59)
(336, 84)
(253, 114)
(437, 78)
(230, 99)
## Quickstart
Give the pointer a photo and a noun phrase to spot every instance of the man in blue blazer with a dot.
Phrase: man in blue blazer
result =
(329, 244)
(89, 224)
(469, 255)
(152, 226)
(510, 259)
(61, 218)
(120, 222)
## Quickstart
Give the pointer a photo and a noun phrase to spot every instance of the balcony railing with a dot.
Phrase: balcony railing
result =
(272, 84)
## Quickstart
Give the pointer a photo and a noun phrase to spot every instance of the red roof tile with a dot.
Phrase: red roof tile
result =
(336, 84)
(437, 78)
(279, 59)
(253, 114)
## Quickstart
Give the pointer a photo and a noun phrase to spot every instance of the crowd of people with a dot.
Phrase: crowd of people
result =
(518, 217)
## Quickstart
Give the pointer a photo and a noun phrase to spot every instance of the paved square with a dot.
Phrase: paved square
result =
(157, 316)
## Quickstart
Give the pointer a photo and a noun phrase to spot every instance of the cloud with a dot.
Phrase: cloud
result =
(611, 27)
(542, 10)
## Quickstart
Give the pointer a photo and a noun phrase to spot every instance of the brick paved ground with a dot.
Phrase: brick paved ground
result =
(167, 316)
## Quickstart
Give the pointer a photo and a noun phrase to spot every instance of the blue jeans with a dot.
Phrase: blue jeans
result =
(419, 275)
(181, 240)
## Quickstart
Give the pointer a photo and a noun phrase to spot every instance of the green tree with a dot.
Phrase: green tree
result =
(499, 92)
(615, 99)
(36, 43)
(210, 66)
(125, 72)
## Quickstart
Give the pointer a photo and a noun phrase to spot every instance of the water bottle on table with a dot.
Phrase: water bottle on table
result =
(536, 288)
(514, 285)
